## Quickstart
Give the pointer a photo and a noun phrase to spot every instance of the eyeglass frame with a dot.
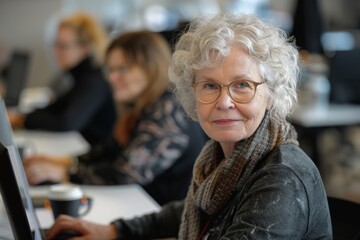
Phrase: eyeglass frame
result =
(62, 46)
(123, 69)
(256, 84)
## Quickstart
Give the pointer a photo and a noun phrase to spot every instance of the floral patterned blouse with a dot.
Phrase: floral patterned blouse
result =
(164, 143)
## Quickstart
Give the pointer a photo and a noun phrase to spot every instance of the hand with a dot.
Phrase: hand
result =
(87, 229)
(16, 120)
(61, 160)
(40, 169)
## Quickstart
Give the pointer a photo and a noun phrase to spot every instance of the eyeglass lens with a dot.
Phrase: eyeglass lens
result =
(239, 91)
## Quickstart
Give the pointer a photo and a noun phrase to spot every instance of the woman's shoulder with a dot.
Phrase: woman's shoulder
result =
(291, 156)
(285, 182)
(293, 163)
(165, 104)
(88, 72)
(167, 96)
(168, 112)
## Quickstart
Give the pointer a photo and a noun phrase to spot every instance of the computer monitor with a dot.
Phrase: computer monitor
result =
(16, 77)
(344, 77)
(14, 187)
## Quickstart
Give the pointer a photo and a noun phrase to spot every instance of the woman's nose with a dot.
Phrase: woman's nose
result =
(114, 76)
(224, 101)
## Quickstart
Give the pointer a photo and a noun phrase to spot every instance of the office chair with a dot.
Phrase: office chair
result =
(345, 219)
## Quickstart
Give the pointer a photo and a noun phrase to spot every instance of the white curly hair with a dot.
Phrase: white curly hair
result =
(213, 36)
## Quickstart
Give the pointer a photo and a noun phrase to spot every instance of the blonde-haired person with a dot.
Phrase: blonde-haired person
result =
(154, 143)
(88, 106)
(89, 33)
(237, 76)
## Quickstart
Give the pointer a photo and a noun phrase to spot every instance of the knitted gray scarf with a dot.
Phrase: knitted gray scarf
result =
(215, 179)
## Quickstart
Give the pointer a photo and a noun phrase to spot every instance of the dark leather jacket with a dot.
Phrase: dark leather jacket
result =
(283, 199)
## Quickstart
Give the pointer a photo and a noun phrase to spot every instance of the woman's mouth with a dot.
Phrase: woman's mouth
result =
(225, 122)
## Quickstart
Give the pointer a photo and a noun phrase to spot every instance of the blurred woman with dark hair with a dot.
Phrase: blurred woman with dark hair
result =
(155, 144)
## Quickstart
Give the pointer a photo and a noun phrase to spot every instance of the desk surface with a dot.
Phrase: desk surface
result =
(336, 115)
(52, 143)
(109, 203)
(34, 97)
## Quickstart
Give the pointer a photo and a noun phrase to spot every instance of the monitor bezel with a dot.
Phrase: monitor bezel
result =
(11, 195)
(14, 187)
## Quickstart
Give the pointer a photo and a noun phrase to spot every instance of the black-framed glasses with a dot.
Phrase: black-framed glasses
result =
(242, 91)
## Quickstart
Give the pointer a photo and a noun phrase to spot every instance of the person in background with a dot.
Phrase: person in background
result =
(237, 76)
(155, 144)
(88, 107)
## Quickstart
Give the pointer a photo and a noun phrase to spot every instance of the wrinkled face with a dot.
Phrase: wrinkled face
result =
(68, 51)
(127, 81)
(225, 120)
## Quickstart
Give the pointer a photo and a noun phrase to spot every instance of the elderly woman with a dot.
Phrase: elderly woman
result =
(236, 76)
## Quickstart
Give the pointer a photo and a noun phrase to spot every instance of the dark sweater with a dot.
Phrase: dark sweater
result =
(284, 198)
(88, 107)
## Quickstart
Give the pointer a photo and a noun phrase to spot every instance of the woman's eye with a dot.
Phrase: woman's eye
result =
(210, 86)
(242, 85)
(123, 69)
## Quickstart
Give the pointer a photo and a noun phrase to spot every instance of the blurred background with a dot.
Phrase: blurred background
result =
(30, 24)
(326, 31)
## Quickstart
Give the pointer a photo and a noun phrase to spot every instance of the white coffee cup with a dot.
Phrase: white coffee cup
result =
(67, 199)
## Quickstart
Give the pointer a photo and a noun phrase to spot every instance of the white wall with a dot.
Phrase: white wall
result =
(22, 24)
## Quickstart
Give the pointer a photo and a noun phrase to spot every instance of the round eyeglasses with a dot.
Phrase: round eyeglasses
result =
(240, 91)
(119, 69)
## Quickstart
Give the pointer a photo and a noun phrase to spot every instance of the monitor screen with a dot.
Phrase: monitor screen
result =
(14, 187)
(344, 77)
(16, 77)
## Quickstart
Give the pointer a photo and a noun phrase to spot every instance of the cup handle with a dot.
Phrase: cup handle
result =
(88, 203)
